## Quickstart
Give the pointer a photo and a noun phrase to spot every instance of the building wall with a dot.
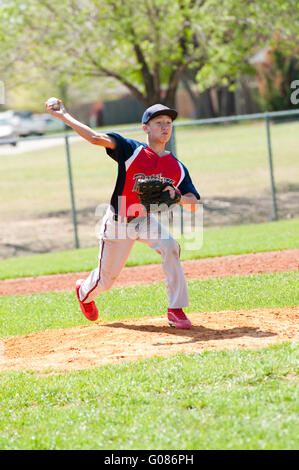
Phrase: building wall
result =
(126, 110)
(184, 105)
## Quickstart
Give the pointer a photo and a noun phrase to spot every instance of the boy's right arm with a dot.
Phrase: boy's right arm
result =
(83, 130)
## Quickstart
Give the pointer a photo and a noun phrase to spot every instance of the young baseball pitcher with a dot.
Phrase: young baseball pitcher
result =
(147, 174)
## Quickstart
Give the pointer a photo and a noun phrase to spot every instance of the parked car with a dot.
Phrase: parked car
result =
(51, 124)
(7, 130)
(37, 124)
(29, 124)
(23, 124)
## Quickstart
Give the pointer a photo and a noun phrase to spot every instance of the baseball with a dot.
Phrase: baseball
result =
(54, 102)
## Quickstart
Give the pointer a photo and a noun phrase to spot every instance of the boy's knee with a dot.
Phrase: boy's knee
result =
(172, 248)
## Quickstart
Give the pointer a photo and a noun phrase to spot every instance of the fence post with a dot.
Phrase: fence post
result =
(69, 168)
(171, 145)
(182, 219)
(273, 189)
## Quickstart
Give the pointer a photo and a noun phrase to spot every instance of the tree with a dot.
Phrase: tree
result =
(275, 77)
(147, 45)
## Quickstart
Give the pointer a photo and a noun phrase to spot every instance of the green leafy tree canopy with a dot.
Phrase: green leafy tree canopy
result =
(146, 46)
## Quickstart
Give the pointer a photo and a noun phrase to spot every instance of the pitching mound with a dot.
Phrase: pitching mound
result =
(130, 340)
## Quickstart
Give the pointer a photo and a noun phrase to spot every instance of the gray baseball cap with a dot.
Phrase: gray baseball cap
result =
(157, 110)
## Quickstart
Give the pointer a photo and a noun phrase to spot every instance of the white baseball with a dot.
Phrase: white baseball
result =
(54, 102)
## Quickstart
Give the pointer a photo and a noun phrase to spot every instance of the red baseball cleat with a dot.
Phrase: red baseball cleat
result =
(178, 319)
(89, 309)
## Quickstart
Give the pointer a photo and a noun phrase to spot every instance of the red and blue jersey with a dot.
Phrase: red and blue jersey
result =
(137, 160)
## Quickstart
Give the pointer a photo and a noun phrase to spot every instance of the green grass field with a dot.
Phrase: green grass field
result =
(216, 242)
(53, 310)
(227, 160)
(241, 399)
(224, 400)
(214, 400)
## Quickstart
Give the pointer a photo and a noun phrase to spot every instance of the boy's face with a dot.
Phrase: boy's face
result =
(159, 128)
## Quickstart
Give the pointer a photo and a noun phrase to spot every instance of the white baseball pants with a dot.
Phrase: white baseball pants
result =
(116, 241)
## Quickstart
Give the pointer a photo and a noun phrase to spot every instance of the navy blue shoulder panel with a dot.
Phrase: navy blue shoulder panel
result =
(186, 185)
(124, 147)
(123, 151)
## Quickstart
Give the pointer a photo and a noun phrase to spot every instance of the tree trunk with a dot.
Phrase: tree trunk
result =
(206, 109)
(193, 96)
(170, 100)
(227, 102)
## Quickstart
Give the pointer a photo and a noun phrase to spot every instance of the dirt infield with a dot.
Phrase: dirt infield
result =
(235, 265)
(103, 343)
(131, 340)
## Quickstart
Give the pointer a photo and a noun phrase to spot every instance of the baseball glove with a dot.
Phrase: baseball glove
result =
(153, 196)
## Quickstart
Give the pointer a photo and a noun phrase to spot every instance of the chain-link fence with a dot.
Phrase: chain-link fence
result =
(245, 168)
